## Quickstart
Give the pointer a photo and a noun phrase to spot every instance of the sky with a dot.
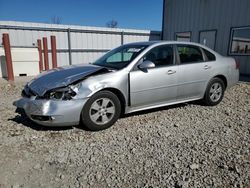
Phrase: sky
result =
(132, 14)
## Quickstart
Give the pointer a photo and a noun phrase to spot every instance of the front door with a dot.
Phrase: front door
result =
(155, 85)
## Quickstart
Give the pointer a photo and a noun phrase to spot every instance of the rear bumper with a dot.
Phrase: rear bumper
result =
(52, 112)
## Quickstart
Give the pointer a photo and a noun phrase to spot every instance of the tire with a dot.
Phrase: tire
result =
(214, 92)
(101, 111)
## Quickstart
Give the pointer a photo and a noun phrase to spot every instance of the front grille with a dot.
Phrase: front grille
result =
(41, 118)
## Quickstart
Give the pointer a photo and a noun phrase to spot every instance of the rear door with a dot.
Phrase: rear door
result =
(156, 85)
(193, 72)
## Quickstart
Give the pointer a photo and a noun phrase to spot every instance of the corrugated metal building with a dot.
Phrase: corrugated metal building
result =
(75, 44)
(223, 25)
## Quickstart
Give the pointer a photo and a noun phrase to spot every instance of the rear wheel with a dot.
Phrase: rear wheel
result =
(214, 92)
(101, 111)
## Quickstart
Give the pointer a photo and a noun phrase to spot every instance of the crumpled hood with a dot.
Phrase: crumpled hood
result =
(61, 77)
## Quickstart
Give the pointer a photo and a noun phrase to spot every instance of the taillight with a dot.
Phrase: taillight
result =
(237, 64)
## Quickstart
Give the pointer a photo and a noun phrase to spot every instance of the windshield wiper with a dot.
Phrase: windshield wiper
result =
(109, 67)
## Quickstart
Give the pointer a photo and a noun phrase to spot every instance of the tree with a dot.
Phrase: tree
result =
(112, 24)
(56, 20)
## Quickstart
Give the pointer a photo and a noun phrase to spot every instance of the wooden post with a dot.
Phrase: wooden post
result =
(53, 51)
(6, 44)
(39, 45)
(45, 53)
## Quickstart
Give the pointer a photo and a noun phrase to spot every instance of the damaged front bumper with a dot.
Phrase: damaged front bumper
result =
(52, 112)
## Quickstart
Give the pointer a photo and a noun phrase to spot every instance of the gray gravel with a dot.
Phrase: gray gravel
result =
(186, 145)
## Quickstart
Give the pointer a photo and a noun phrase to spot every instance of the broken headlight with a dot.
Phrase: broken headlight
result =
(65, 93)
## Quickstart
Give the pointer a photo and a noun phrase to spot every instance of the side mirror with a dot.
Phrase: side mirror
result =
(146, 64)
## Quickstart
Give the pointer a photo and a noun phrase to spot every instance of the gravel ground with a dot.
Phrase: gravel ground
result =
(186, 145)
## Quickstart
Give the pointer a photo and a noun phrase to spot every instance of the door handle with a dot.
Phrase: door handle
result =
(207, 67)
(171, 72)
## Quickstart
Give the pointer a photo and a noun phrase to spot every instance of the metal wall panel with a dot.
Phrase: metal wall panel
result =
(87, 43)
(24, 60)
(85, 57)
(200, 15)
(62, 59)
(132, 38)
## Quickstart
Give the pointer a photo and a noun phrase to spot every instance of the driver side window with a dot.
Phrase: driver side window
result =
(161, 56)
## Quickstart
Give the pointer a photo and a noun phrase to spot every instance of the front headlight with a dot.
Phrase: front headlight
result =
(66, 93)
(76, 87)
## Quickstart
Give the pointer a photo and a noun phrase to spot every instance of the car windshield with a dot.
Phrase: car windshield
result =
(120, 57)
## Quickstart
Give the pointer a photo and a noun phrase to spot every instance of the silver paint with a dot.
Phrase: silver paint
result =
(140, 89)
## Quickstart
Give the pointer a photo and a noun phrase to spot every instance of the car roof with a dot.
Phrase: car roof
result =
(160, 42)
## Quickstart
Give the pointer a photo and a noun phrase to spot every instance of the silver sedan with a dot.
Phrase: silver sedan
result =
(130, 78)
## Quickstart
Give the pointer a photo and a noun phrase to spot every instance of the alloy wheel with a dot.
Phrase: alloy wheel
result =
(215, 92)
(102, 111)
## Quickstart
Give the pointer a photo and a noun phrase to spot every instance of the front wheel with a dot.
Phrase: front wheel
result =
(214, 92)
(101, 111)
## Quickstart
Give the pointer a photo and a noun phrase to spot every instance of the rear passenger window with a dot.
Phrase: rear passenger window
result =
(210, 56)
(189, 54)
